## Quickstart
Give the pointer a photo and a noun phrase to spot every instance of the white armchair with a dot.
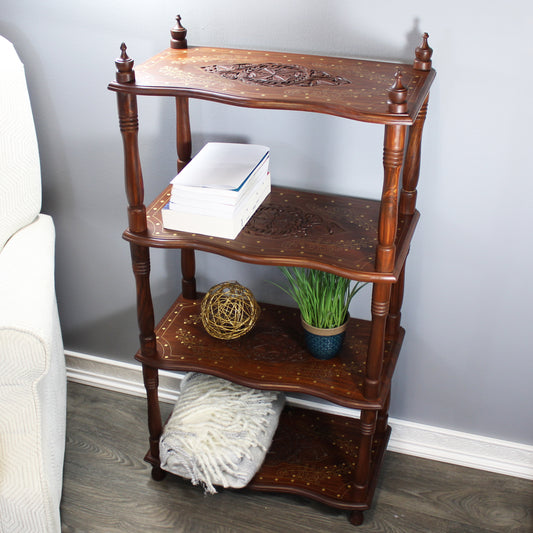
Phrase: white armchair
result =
(32, 363)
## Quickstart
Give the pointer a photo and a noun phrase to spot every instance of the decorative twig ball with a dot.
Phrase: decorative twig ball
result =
(229, 310)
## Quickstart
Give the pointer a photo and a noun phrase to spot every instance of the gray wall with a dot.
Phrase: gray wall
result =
(466, 361)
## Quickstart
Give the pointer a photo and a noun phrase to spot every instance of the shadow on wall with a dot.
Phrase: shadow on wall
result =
(356, 41)
(114, 336)
(413, 40)
(110, 336)
(340, 28)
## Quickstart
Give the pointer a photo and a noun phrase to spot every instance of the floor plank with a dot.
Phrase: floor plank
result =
(108, 488)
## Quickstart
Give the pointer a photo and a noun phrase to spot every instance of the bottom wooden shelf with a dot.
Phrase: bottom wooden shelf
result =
(315, 455)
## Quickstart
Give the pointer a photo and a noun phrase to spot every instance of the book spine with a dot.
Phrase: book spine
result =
(217, 207)
(217, 226)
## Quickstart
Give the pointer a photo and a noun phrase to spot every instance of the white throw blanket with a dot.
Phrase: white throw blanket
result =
(219, 432)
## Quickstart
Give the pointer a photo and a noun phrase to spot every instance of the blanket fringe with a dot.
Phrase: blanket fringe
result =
(219, 431)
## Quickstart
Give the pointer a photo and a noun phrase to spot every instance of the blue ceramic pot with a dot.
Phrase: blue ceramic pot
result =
(324, 343)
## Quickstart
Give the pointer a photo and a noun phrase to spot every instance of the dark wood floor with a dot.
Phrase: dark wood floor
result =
(108, 488)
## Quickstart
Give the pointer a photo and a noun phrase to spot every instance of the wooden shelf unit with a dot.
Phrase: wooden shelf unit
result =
(332, 459)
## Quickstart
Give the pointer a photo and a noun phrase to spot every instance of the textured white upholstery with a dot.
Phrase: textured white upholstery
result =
(20, 174)
(32, 364)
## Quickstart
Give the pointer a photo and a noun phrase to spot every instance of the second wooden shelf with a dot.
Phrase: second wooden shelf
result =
(330, 232)
(273, 355)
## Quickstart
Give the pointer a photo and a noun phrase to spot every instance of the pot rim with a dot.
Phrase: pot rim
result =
(325, 332)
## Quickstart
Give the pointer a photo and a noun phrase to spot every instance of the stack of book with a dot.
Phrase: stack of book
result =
(219, 190)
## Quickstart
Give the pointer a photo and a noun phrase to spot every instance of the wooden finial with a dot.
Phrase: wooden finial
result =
(398, 95)
(178, 34)
(423, 55)
(125, 72)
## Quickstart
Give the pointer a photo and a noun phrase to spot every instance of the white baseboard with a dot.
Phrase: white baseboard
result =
(438, 444)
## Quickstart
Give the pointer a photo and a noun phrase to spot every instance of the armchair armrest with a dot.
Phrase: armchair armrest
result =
(27, 290)
(32, 383)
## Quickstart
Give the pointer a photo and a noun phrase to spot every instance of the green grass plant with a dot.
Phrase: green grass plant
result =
(323, 298)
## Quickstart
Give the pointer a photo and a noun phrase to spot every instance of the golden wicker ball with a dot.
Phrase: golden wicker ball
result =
(229, 310)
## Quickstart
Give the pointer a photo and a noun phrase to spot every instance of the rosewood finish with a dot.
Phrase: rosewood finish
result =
(273, 355)
(335, 233)
(363, 95)
(361, 239)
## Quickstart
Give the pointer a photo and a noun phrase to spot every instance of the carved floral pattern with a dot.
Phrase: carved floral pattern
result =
(276, 74)
(282, 221)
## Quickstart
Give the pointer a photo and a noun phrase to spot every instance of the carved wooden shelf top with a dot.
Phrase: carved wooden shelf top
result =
(325, 231)
(351, 88)
(272, 355)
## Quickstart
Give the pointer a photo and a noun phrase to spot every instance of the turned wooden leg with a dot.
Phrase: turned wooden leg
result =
(188, 280)
(383, 416)
(368, 429)
(356, 518)
(412, 163)
(184, 150)
(393, 150)
(151, 383)
(374, 362)
(395, 313)
(145, 316)
(183, 132)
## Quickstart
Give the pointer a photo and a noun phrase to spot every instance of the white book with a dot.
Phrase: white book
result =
(193, 197)
(227, 224)
(221, 169)
(214, 206)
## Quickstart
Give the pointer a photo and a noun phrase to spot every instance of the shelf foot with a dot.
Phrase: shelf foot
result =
(158, 474)
(356, 518)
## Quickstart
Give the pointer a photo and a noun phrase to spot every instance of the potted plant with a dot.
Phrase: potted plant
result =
(323, 299)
